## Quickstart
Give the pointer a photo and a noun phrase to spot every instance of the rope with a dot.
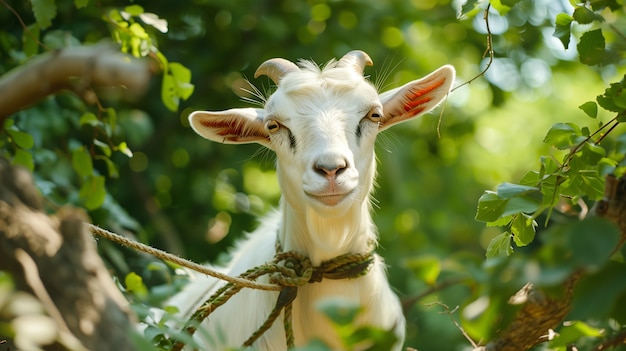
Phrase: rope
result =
(160, 254)
(287, 271)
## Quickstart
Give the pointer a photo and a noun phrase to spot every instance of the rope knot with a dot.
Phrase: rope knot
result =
(295, 270)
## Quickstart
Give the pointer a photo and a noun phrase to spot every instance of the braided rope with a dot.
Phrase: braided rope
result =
(166, 256)
(287, 271)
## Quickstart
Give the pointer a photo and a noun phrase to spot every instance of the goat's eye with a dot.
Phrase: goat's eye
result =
(375, 114)
(272, 126)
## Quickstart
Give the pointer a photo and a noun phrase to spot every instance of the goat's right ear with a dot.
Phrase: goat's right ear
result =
(234, 126)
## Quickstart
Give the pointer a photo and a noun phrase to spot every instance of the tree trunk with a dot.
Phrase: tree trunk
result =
(53, 258)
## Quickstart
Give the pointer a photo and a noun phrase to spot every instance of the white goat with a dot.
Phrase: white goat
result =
(322, 124)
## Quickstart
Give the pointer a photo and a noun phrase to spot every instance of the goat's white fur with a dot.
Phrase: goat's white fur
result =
(326, 126)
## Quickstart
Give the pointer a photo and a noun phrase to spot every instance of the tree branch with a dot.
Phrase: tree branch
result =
(72, 68)
(539, 313)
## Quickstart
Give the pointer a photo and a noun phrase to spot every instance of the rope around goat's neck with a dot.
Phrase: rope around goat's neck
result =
(288, 271)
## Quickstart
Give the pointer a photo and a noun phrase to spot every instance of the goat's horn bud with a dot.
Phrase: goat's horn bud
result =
(356, 59)
(276, 69)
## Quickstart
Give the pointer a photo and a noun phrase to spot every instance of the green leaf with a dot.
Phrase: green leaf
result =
(598, 5)
(523, 229)
(123, 148)
(590, 108)
(592, 187)
(81, 3)
(523, 204)
(93, 192)
(341, 311)
(490, 207)
(112, 119)
(583, 15)
(89, 118)
(106, 149)
(563, 28)
(500, 246)
(24, 159)
(182, 75)
(572, 332)
(137, 30)
(82, 162)
(591, 154)
(470, 9)
(509, 190)
(503, 6)
(176, 85)
(561, 135)
(21, 139)
(134, 10)
(168, 92)
(111, 168)
(45, 11)
(614, 97)
(531, 178)
(591, 48)
(135, 284)
(500, 222)
(30, 39)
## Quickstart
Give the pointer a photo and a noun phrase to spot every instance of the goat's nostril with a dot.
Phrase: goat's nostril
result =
(330, 169)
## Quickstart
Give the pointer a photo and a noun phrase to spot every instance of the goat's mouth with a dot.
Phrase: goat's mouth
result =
(329, 199)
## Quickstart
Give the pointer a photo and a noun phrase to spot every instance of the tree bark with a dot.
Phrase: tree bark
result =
(54, 258)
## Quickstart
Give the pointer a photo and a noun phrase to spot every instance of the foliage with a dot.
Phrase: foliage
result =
(541, 131)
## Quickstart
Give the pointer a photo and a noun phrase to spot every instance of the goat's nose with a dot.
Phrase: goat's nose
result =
(330, 168)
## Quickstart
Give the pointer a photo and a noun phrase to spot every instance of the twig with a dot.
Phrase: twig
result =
(456, 324)
(19, 18)
(408, 301)
(614, 122)
(488, 50)
(617, 31)
(619, 339)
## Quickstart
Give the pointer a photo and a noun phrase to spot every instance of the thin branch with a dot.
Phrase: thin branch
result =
(619, 339)
(456, 324)
(617, 31)
(488, 50)
(74, 68)
(19, 18)
(409, 301)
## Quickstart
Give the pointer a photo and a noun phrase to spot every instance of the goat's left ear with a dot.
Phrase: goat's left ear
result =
(234, 126)
(416, 98)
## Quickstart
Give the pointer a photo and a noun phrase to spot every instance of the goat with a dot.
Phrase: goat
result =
(322, 124)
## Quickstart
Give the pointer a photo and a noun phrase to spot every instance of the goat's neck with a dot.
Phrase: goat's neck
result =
(322, 238)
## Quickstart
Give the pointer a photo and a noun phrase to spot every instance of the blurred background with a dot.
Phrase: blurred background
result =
(194, 198)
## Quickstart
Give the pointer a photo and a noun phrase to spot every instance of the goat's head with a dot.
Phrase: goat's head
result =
(322, 124)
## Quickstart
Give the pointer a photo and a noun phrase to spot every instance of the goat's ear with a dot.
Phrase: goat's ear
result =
(234, 126)
(416, 98)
